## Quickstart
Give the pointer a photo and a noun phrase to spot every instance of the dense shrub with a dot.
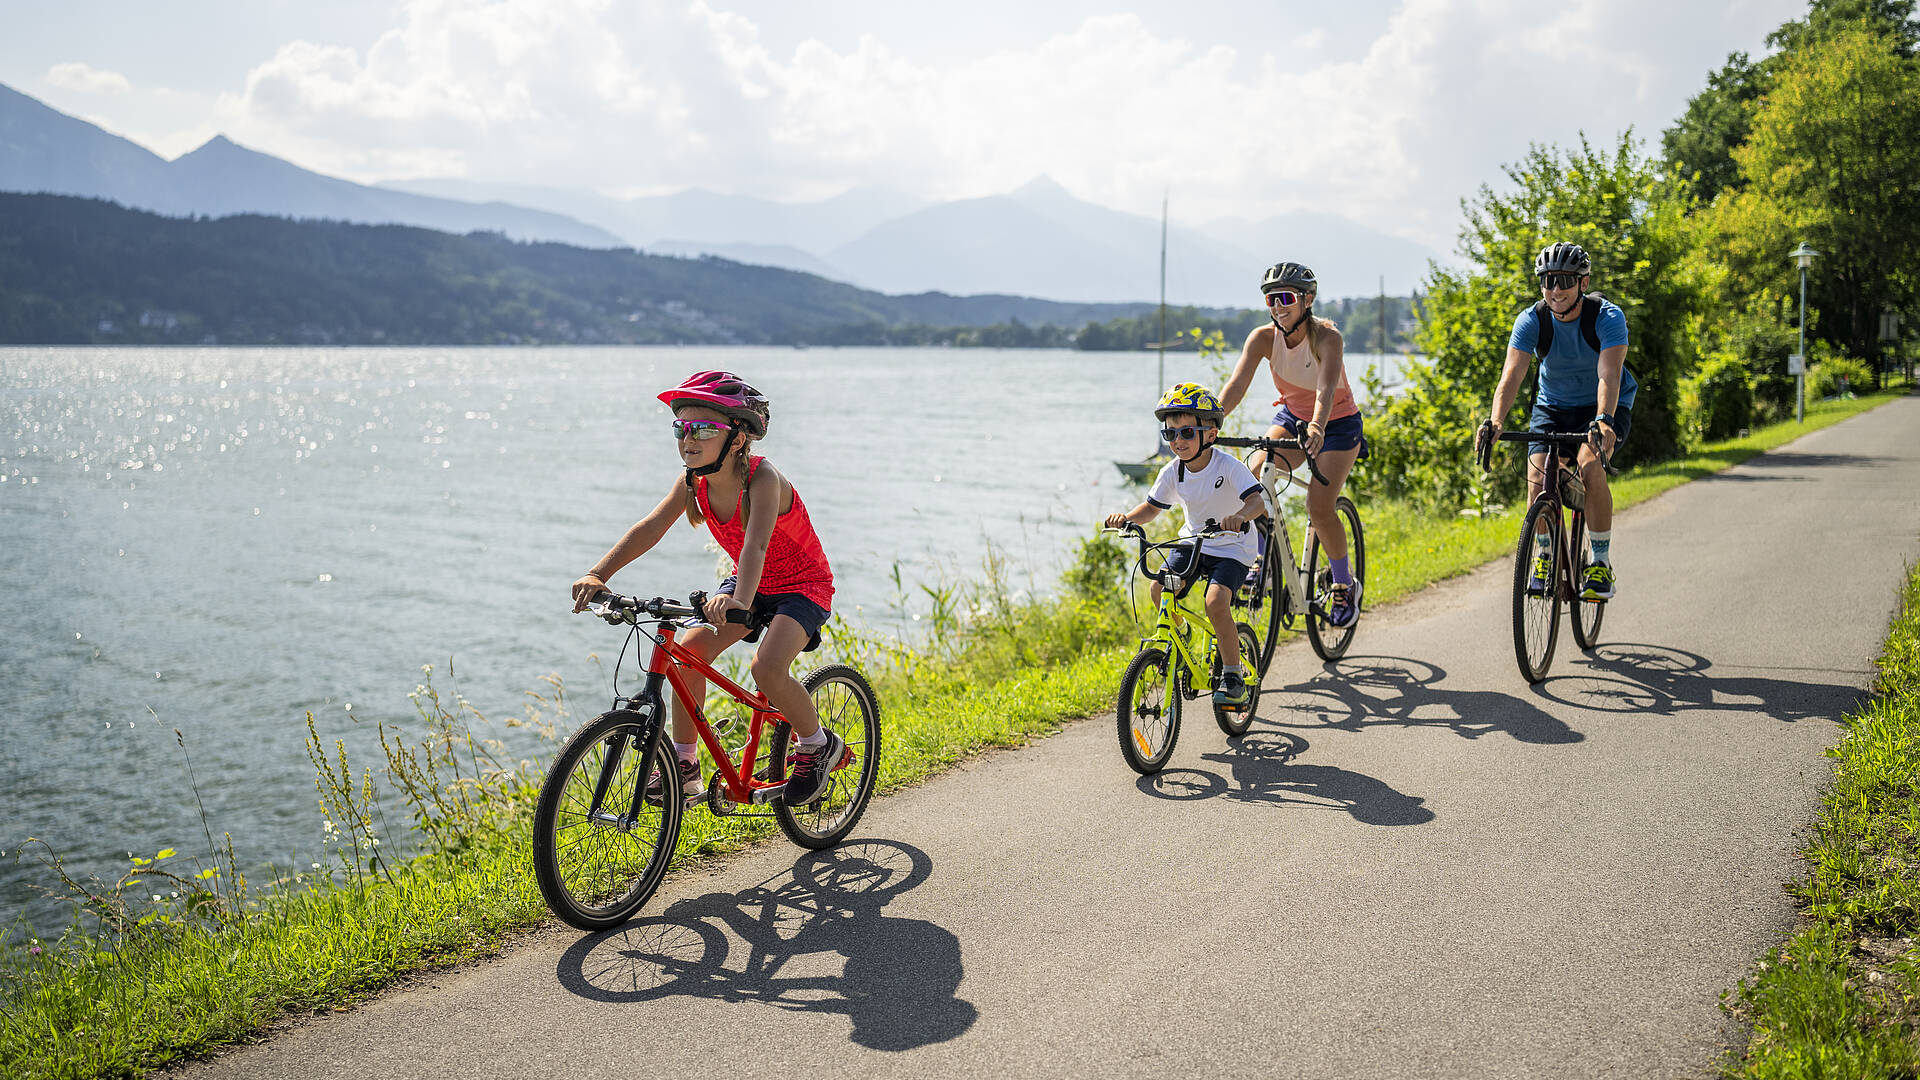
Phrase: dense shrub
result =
(1824, 379)
(1718, 400)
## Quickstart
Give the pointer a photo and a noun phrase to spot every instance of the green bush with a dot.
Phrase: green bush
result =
(1718, 399)
(1824, 378)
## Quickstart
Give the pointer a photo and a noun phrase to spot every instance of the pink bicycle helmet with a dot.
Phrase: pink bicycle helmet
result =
(726, 393)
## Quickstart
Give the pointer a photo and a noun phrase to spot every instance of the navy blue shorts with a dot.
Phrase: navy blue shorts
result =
(1555, 420)
(1217, 570)
(809, 615)
(1342, 434)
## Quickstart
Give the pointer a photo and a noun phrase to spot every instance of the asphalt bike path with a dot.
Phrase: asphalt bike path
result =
(1413, 865)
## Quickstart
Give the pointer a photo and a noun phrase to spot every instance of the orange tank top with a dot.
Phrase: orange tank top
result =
(1296, 374)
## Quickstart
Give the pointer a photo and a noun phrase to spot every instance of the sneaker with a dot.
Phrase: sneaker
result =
(1598, 583)
(1232, 693)
(690, 785)
(812, 770)
(1343, 604)
(1542, 570)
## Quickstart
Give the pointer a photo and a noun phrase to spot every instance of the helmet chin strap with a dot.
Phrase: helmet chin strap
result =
(709, 470)
(1286, 331)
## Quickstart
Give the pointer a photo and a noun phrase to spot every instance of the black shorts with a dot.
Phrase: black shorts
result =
(1217, 570)
(1555, 420)
(809, 615)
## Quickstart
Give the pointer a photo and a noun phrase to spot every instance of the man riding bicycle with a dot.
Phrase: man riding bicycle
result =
(1580, 340)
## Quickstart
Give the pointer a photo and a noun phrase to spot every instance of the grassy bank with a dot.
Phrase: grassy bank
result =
(147, 983)
(1842, 997)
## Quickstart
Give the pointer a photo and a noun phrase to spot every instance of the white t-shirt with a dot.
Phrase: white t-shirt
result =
(1219, 489)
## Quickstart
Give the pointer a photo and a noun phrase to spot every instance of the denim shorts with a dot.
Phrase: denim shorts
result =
(809, 615)
(1554, 420)
(1342, 434)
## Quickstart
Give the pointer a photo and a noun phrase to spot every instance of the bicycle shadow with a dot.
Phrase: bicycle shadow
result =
(900, 977)
(1360, 692)
(1662, 680)
(1261, 769)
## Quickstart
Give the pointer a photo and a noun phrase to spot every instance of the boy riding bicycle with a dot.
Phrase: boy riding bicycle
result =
(1214, 486)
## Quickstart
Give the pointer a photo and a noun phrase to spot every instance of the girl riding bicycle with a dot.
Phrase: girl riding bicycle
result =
(760, 522)
(1307, 357)
(1210, 485)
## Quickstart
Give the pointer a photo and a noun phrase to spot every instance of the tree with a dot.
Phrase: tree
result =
(1702, 141)
(1833, 159)
(1630, 215)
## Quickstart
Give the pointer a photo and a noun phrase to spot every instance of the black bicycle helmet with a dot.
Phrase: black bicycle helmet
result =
(1288, 275)
(1562, 258)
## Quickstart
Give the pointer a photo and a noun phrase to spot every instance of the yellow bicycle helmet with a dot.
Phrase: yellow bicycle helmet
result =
(1189, 397)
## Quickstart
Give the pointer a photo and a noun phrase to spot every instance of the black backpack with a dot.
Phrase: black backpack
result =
(1589, 323)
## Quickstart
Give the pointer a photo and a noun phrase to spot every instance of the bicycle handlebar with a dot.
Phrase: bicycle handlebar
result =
(616, 608)
(1554, 438)
(1263, 443)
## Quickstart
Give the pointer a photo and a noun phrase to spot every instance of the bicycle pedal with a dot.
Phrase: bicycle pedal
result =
(846, 759)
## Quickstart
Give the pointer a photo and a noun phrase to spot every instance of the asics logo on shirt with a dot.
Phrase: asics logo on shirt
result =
(1219, 481)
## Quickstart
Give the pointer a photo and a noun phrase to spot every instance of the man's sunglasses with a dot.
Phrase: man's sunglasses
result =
(1184, 432)
(698, 430)
(1284, 298)
(1560, 281)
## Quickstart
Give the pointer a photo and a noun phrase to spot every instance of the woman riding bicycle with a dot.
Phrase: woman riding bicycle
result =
(777, 561)
(1306, 356)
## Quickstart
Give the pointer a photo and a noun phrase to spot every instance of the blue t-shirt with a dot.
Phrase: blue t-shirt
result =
(1570, 372)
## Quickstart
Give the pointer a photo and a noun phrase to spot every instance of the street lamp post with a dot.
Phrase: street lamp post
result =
(1803, 256)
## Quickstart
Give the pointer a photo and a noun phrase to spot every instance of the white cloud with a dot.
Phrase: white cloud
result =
(654, 95)
(83, 79)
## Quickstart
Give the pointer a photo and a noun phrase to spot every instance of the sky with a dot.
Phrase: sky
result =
(1385, 113)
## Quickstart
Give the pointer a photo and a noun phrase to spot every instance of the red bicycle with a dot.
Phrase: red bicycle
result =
(601, 845)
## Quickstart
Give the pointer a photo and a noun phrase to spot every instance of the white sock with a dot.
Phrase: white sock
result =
(818, 738)
(687, 751)
(1602, 542)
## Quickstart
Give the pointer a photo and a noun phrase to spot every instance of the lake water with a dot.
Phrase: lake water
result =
(220, 540)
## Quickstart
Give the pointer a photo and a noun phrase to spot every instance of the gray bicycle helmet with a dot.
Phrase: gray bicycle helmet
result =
(1562, 258)
(1288, 275)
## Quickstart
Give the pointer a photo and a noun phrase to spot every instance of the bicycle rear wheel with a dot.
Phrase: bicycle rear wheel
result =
(1536, 615)
(1235, 723)
(1330, 642)
(599, 848)
(847, 708)
(1587, 614)
(1149, 711)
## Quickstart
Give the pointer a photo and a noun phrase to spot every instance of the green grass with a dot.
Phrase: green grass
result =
(145, 986)
(1841, 998)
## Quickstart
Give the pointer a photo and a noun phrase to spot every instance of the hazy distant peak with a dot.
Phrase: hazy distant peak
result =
(1041, 188)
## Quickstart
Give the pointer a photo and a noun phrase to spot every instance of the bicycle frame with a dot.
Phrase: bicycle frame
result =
(1197, 661)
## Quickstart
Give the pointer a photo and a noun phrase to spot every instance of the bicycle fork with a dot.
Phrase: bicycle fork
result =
(643, 742)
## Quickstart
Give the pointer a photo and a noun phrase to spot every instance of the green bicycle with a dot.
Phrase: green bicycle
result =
(1178, 661)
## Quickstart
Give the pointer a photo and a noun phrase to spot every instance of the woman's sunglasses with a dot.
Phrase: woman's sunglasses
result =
(697, 430)
(1183, 433)
(1560, 281)
(1283, 298)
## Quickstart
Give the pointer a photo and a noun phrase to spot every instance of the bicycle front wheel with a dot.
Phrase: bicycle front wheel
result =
(1330, 642)
(1587, 614)
(1236, 722)
(847, 707)
(1536, 611)
(1260, 612)
(600, 849)
(1149, 711)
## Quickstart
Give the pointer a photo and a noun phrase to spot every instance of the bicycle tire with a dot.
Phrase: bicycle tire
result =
(1536, 619)
(1587, 614)
(1330, 643)
(1152, 672)
(1262, 611)
(596, 874)
(846, 705)
(1236, 722)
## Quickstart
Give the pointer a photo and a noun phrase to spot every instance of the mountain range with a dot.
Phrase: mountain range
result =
(1038, 241)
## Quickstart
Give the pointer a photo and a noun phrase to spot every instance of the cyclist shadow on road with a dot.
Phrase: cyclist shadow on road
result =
(1360, 692)
(1261, 769)
(1660, 680)
(900, 975)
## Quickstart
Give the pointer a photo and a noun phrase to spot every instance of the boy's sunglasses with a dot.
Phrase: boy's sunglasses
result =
(1185, 431)
(1560, 281)
(1284, 297)
(697, 430)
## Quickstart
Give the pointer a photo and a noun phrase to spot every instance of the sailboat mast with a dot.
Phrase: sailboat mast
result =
(1162, 338)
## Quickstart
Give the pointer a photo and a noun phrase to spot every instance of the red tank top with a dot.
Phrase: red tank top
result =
(795, 562)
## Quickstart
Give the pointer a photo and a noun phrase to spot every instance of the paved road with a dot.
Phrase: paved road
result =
(1414, 865)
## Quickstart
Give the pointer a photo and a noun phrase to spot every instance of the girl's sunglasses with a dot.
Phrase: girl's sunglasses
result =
(1284, 298)
(1184, 432)
(697, 430)
(1559, 281)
